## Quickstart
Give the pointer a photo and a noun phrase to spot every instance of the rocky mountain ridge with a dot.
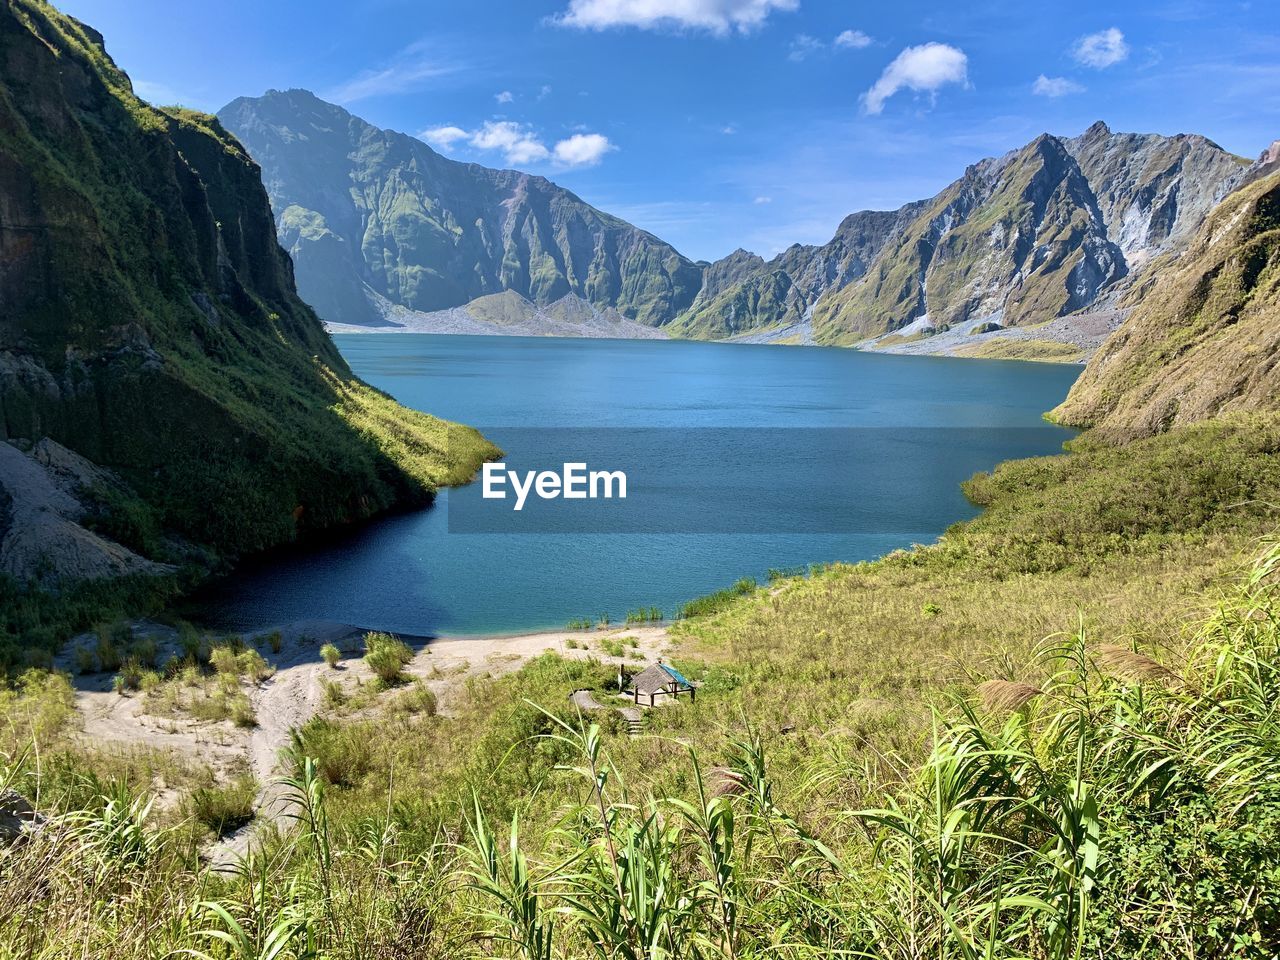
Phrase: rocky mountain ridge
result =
(1061, 225)
(1203, 336)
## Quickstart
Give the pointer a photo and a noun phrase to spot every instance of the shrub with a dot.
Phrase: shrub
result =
(223, 660)
(195, 647)
(331, 655)
(85, 660)
(242, 713)
(224, 809)
(144, 651)
(334, 695)
(418, 699)
(644, 615)
(386, 656)
(251, 664)
(129, 677)
(111, 639)
(341, 752)
(715, 602)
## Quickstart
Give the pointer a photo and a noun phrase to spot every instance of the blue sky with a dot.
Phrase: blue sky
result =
(725, 123)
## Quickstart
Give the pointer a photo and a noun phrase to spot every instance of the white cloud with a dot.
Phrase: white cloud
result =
(443, 137)
(803, 46)
(763, 200)
(582, 150)
(407, 71)
(1055, 86)
(924, 69)
(544, 92)
(1101, 49)
(717, 16)
(852, 40)
(518, 144)
(729, 130)
(506, 96)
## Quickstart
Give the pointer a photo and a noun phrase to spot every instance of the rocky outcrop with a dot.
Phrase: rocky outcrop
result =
(1039, 233)
(1203, 337)
(742, 292)
(363, 208)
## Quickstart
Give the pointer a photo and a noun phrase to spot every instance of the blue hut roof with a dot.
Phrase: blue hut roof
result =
(675, 675)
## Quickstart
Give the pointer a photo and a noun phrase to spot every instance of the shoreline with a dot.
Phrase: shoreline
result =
(1008, 344)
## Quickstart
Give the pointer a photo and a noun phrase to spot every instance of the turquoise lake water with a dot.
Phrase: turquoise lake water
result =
(742, 458)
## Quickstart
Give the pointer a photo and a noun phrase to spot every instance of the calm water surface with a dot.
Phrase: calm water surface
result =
(411, 574)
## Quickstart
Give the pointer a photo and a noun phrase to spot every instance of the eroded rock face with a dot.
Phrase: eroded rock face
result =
(1039, 233)
(149, 322)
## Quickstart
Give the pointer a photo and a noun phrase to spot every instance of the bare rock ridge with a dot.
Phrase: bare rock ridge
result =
(41, 533)
(1058, 226)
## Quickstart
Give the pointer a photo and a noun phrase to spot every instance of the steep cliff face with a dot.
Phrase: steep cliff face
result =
(1036, 234)
(360, 206)
(148, 317)
(1204, 335)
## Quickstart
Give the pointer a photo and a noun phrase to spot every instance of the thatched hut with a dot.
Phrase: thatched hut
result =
(660, 680)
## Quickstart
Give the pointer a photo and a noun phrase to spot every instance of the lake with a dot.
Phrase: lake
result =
(741, 458)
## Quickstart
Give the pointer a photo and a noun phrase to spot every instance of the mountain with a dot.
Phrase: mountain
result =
(363, 209)
(1039, 233)
(375, 219)
(743, 291)
(1203, 337)
(165, 395)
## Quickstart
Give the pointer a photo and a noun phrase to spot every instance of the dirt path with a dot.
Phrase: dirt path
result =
(294, 694)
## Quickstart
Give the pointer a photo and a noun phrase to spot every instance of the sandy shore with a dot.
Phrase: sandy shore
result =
(294, 694)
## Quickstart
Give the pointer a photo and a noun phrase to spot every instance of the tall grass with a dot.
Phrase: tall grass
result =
(1094, 800)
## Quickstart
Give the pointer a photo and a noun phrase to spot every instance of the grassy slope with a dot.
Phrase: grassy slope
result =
(1202, 337)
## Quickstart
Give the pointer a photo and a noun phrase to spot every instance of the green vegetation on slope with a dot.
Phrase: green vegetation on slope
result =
(152, 326)
(1011, 348)
(1083, 800)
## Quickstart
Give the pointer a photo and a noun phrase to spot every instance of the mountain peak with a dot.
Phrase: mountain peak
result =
(1097, 130)
(348, 194)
